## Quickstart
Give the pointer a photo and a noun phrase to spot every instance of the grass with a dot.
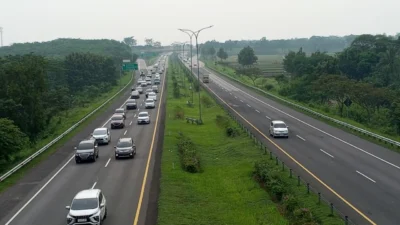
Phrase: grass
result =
(225, 192)
(269, 64)
(267, 81)
(73, 117)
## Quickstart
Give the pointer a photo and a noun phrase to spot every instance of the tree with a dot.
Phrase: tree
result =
(253, 73)
(12, 139)
(211, 51)
(157, 44)
(131, 41)
(222, 54)
(149, 42)
(247, 57)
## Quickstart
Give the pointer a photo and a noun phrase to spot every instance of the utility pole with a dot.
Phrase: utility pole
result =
(1, 36)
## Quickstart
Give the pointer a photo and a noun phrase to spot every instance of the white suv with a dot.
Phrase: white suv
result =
(88, 207)
(278, 128)
(102, 135)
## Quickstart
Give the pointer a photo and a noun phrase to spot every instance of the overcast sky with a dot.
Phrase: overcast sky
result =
(43, 20)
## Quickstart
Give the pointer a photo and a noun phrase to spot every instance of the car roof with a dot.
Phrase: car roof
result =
(152, 93)
(117, 114)
(101, 128)
(88, 193)
(119, 109)
(278, 121)
(128, 139)
(90, 141)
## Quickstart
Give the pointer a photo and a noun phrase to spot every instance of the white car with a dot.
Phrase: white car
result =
(157, 76)
(152, 95)
(88, 207)
(143, 117)
(149, 103)
(278, 128)
(102, 135)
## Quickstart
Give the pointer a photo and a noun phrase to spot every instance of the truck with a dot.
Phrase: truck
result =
(206, 78)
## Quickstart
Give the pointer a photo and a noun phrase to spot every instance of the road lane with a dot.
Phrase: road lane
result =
(309, 136)
(48, 207)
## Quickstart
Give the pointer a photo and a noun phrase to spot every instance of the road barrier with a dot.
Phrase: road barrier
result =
(349, 126)
(47, 146)
(259, 141)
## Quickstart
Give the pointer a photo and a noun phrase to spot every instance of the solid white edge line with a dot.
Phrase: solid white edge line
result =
(301, 121)
(257, 111)
(48, 182)
(300, 137)
(365, 176)
(327, 153)
(94, 185)
(108, 162)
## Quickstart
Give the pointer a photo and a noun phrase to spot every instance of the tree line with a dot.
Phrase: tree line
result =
(38, 92)
(362, 82)
(264, 46)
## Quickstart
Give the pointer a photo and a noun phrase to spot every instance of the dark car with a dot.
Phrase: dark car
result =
(117, 121)
(131, 104)
(87, 150)
(125, 148)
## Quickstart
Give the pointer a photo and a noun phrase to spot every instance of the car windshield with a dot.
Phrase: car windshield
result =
(279, 125)
(124, 144)
(99, 132)
(131, 101)
(85, 146)
(143, 114)
(149, 100)
(152, 94)
(117, 117)
(84, 203)
(119, 111)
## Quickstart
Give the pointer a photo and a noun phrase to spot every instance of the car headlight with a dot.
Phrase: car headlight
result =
(96, 217)
(69, 219)
(77, 154)
(92, 153)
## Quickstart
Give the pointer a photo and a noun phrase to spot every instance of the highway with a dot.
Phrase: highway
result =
(120, 180)
(360, 178)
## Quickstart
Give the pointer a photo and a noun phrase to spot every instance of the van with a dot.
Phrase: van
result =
(135, 95)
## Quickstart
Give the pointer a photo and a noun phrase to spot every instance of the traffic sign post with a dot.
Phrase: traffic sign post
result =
(129, 66)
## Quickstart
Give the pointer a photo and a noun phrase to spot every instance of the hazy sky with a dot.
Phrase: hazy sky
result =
(43, 20)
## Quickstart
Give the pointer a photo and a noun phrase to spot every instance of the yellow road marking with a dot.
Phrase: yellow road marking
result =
(135, 222)
(298, 163)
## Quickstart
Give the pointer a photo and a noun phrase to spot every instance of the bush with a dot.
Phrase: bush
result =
(222, 121)
(303, 216)
(290, 203)
(177, 92)
(179, 112)
(232, 131)
(268, 87)
(206, 101)
(188, 154)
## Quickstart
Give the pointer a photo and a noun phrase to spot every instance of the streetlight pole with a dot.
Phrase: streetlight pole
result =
(196, 35)
(191, 56)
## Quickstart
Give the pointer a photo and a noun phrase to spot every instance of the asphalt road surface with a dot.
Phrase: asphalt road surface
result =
(364, 176)
(120, 180)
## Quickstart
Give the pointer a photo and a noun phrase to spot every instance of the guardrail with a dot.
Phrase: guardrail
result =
(34, 155)
(352, 127)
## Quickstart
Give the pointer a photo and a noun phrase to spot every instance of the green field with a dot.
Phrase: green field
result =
(270, 65)
(58, 125)
(225, 191)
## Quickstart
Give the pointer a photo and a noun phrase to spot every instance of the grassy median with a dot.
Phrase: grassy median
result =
(227, 189)
(74, 115)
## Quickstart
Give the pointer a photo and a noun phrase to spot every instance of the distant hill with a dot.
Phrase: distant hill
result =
(60, 48)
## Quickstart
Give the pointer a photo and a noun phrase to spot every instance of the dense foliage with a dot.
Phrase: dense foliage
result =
(36, 89)
(60, 48)
(272, 47)
(361, 83)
